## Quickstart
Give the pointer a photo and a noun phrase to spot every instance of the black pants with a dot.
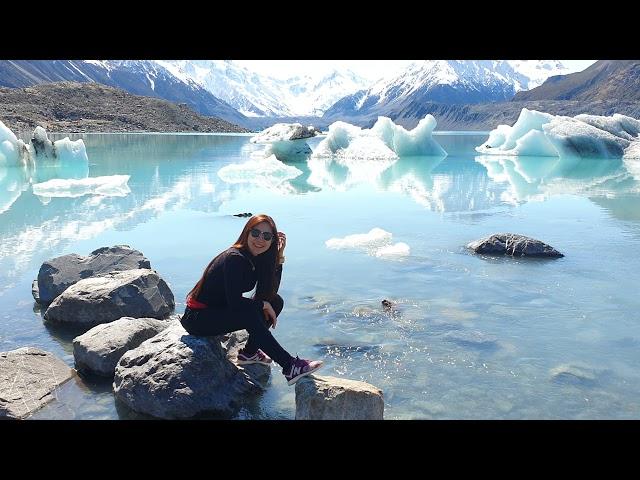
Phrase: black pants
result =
(218, 320)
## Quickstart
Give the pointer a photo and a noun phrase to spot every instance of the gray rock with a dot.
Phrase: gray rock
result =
(132, 293)
(177, 375)
(28, 379)
(332, 398)
(58, 274)
(513, 244)
(99, 350)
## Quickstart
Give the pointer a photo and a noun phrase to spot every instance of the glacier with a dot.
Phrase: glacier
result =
(385, 140)
(544, 135)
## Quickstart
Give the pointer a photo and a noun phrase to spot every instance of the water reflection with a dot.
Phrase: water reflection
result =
(538, 178)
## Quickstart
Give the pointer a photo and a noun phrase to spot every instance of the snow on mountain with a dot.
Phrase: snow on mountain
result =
(537, 71)
(257, 95)
(449, 82)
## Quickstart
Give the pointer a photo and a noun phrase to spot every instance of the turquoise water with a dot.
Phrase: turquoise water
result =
(470, 338)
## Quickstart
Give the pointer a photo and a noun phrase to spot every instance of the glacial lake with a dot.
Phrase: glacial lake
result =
(471, 337)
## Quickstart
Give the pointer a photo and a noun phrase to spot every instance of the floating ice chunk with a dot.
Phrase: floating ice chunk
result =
(631, 159)
(377, 243)
(535, 143)
(286, 141)
(375, 237)
(542, 134)
(42, 146)
(633, 150)
(399, 249)
(64, 150)
(527, 121)
(573, 137)
(290, 151)
(12, 151)
(281, 132)
(498, 136)
(384, 140)
(68, 150)
(266, 172)
(618, 125)
(107, 186)
(418, 141)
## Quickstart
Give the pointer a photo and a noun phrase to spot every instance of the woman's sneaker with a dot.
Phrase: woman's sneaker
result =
(301, 367)
(258, 357)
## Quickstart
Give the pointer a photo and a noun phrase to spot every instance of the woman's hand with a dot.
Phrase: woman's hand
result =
(269, 314)
(282, 242)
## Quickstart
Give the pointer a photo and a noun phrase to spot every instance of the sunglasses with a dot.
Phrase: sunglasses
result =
(255, 233)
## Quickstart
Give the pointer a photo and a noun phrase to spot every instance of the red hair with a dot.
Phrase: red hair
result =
(265, 266)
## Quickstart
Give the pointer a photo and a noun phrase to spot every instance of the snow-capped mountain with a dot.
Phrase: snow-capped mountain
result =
(537, 71)
(140, 77)
(448, 82)
(257, 95)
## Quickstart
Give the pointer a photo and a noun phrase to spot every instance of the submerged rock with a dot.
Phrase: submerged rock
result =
(28, 379)
(131, 293)
(58, 274)
(574, 374)
(514, 245)
(332, 398)
(472, 339)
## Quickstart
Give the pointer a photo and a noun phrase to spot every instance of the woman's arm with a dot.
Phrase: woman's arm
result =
(235, 269)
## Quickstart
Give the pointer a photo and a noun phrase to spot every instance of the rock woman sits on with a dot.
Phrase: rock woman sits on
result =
(216, 306)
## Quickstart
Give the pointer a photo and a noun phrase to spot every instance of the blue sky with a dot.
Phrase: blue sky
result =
(370, 69)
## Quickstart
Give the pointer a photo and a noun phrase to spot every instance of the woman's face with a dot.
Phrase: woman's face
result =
(260, 245)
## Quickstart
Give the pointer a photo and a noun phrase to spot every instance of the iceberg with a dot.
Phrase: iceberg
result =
(377, 243)
(544, 135)
(375, 237)
(385, 140)
(283, 132)
(41, 150)
(13, 152)
(107, 186)
(286, 141)
(399, 249)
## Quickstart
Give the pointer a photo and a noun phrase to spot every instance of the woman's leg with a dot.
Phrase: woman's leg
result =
(252, 346)
(213, 321)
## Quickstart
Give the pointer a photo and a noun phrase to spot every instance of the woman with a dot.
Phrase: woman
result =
(216, 305)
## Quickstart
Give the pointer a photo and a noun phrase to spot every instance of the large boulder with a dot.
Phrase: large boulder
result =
(177, 375)
(99, 350)
(58, 274)
(513, 244)
(28, 379)
(131, 293)
(332, 398)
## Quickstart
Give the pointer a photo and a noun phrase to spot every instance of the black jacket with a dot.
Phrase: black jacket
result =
(233, 273)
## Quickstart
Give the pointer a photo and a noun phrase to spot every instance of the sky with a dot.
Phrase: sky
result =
(369, 69)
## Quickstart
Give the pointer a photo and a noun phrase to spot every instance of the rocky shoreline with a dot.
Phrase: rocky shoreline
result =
(71, 107)
(127, 329)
